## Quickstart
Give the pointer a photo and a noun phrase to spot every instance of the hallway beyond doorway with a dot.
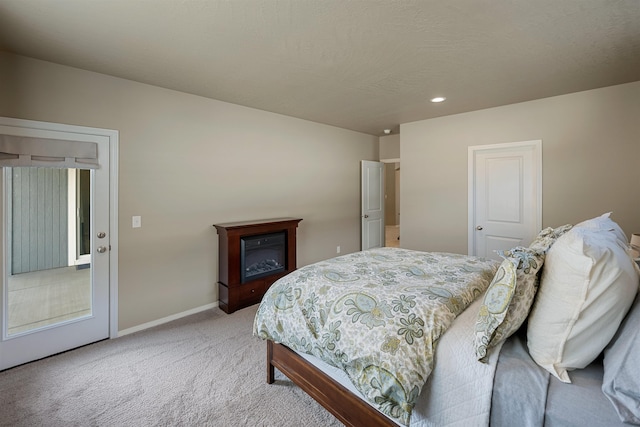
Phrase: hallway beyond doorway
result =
(392, 236)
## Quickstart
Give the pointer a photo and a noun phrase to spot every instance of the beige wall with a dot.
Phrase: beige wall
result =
(390, 147)
(187, 162)
(590, 146)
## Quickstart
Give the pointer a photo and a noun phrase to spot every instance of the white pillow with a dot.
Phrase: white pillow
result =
(604, 222)
(587, 285)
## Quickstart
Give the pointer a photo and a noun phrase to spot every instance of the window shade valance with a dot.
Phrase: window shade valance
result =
(29, 151)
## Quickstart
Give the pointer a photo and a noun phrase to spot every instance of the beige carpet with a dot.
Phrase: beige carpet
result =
(203, 370)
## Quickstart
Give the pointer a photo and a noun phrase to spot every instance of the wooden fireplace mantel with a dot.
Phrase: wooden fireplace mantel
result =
(233, 294)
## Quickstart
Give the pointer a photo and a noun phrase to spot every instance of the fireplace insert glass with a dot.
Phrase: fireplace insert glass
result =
(262, 255)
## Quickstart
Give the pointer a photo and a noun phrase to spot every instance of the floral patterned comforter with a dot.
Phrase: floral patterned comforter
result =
(375, 314)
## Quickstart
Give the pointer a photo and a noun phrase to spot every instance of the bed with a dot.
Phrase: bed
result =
(398, 337)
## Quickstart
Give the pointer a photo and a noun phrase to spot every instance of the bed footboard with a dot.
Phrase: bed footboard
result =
(335, 398)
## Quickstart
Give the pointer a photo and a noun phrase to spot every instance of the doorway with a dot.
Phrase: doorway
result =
(392, 202)
(380, 203)
(59, 276)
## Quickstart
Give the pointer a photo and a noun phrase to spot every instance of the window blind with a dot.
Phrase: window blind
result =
(29, 151)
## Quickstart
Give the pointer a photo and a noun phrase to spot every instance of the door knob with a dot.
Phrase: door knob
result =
(366, 216)
(479, 228)
(102, 235)
(101, 249)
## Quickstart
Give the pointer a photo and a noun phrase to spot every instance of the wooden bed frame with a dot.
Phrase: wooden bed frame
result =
(350, 409)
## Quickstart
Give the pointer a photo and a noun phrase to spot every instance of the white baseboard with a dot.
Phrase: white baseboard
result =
(166, 319)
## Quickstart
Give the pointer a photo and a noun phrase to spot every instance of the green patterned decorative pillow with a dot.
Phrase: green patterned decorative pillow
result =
(494, 306)
(546, 237)
(500, 326)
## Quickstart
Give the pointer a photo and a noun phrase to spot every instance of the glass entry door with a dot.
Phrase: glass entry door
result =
(55, 288)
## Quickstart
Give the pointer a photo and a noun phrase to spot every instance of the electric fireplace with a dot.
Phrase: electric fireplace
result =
(262, 255)
(251, 256)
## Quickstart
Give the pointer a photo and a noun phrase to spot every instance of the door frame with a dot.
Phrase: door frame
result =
(536, 146)
(113, 136)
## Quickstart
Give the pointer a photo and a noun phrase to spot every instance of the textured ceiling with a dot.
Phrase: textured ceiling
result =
(363, 65)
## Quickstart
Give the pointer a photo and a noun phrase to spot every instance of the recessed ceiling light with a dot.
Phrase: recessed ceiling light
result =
(387, 131)
(438, 99)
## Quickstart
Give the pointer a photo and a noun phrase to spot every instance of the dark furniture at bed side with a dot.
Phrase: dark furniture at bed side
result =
(232, 293)
(335, 398)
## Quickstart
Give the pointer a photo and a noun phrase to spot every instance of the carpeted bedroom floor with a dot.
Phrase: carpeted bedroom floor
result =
(203, 370)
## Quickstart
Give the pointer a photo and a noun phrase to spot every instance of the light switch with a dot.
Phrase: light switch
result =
(136, 222)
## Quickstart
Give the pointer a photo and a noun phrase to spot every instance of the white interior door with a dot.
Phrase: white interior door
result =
(372, 204)
(505, 196)
(47, 308)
